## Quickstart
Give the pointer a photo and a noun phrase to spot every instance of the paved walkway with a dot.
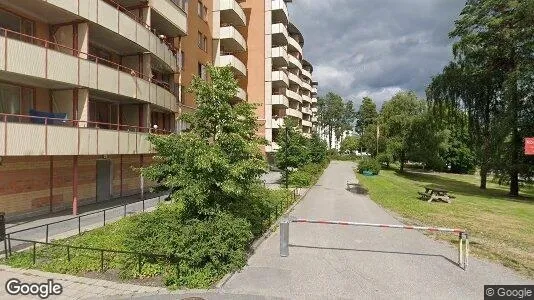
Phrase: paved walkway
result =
(328, 261)
(91, 217)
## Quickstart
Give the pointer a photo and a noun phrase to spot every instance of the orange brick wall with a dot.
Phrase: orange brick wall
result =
(25, 182)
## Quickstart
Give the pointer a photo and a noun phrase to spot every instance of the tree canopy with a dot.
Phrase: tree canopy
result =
(335, 115)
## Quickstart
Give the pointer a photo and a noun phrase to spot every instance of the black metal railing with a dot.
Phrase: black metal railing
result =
(139, 255)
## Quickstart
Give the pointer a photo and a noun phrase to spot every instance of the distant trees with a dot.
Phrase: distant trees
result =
(335, 115)
(490, 79)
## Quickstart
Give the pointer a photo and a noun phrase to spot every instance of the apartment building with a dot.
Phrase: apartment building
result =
(265, 50)
(83, 83)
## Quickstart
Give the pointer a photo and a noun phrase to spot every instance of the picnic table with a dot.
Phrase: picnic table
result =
(436, 193)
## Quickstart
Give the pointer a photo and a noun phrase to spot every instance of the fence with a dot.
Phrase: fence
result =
(139, 255)
(463, 240)
(45, 231)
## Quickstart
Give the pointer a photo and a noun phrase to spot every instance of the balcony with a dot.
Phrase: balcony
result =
(307, 111)
(314, 119)
(279, 79)
(110, 21)
(305, 85)
(294, 79)
(314, 110)
(293, 95)
(237, 66)
(294, 113)
(232, 40)
(306, 73)
(241, 95)
(279, 11)
(314, 90)
(294, 45)
(231, 13)
(65, 68)
(294, 62)
(168, 17)
(280, 100)
(279, 57)
(314, 100)
(307, 123)
(277, 123)
(306, 98)
(279, 34)
(45, 136)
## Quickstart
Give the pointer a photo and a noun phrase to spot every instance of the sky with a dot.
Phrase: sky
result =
(375, 48)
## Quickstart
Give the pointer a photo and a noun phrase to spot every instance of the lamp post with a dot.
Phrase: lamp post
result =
(286, 156)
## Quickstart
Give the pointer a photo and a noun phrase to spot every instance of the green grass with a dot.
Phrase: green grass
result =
(501, 228)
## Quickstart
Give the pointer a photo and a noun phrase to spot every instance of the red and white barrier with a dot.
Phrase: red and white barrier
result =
(463, 247)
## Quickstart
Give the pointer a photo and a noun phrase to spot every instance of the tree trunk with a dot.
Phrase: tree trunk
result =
(516, 142)
(402, 166)
(483, 176)
(329, 138)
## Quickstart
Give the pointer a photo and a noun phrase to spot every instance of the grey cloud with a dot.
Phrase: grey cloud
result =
(363, 47)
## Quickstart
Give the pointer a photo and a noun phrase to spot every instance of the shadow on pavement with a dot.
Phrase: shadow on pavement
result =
(375, 251)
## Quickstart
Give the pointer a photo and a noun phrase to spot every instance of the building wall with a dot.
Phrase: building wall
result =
(189, 44)
(29, 185)
(254, 58)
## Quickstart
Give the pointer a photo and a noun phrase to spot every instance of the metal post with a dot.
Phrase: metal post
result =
(34, 253)
(9, 243)
(125, 210)
(68, 253)
(5, 247)
(46, 239)
(466, 252)
(143, 204)
(104, 217)
(460, 250)
(79, 226)
(284, 238)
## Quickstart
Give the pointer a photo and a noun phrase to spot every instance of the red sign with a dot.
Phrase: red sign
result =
(529, 146)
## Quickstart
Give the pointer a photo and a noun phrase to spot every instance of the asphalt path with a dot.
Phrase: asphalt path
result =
(333, 262)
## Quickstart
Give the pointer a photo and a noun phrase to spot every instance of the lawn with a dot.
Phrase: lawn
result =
(501, 228)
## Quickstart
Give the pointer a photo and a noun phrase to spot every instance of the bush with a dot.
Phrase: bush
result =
(307, 175)
(205, 249)
(385, 159)
(369, 164)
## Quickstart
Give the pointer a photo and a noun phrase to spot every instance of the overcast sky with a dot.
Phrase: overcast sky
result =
(375, 47)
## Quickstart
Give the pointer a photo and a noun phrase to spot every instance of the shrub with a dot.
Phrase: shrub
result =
(205, 249)
(385, 159)
(369, 164)
(307, 175)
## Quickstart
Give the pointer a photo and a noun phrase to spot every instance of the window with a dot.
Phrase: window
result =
(202, 11)
(15, 23)
(202, 71)
(202, 41)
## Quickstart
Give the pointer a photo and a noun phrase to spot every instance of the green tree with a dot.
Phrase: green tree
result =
(492, 77)
(293, 151)
(214, 165)
(397, 119)
(335, 115)
(366, 115)
(350, 144)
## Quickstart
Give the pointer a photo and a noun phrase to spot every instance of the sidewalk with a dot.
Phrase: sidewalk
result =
(91, 216)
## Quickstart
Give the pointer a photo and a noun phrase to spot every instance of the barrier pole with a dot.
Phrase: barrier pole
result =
(460, 242)
(284, 238)
(466, 253)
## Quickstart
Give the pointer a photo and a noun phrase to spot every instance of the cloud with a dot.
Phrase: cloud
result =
(375, 48)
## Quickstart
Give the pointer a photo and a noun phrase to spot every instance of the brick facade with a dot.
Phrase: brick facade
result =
(34, 185)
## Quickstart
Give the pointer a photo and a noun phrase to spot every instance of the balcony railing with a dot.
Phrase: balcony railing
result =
(24, 135)
(56, 61)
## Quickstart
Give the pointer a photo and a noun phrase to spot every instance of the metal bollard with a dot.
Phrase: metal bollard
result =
(460, 248)
(284, 238)
(466, 251)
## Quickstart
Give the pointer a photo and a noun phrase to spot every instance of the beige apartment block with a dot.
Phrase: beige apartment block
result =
(84, 82)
